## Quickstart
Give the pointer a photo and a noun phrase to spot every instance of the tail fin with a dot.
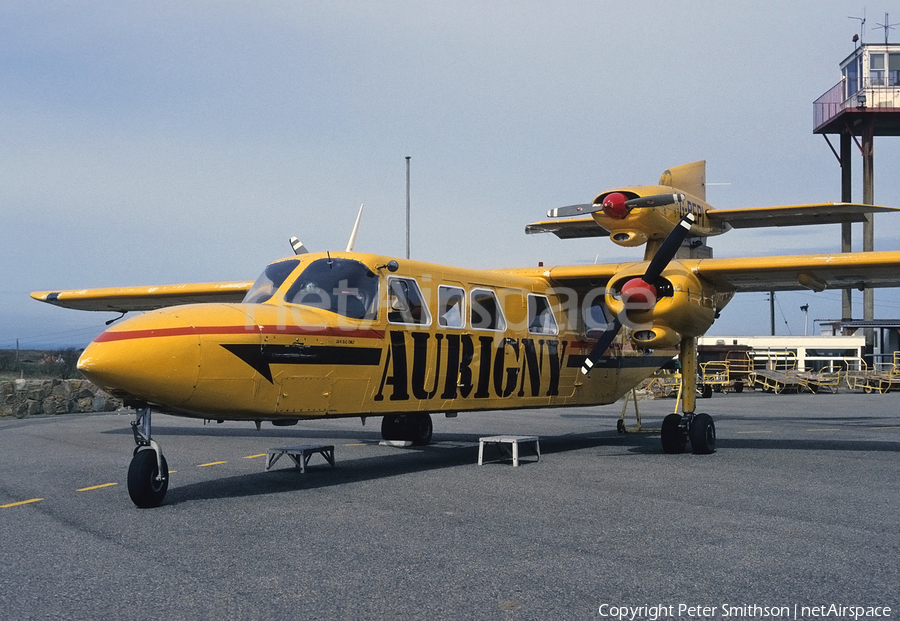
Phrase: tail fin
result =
(689, 178)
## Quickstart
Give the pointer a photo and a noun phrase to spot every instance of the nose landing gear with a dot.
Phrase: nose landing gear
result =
(148, 474)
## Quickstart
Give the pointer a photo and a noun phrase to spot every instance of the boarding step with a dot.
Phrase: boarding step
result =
(300, 454)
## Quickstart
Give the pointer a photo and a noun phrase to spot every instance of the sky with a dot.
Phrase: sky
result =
(168, 142)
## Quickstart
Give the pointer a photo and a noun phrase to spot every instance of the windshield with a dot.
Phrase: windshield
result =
(342, 286)
(269, 281)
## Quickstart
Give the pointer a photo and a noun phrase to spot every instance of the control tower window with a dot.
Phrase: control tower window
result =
(893, 69)
(876, 69)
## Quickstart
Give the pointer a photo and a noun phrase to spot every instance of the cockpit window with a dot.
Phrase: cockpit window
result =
(341, 286)
(267, 284)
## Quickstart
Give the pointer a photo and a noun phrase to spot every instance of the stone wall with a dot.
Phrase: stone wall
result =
(25, 397)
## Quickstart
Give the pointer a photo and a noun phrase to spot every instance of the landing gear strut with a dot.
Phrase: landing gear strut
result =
(698, 428)
(148, 474)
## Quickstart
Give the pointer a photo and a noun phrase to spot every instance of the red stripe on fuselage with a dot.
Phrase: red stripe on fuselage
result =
(125, 335)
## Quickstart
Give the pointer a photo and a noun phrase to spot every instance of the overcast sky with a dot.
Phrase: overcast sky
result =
(163, 142)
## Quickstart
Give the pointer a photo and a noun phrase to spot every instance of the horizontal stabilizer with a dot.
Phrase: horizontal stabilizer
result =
(794, 215)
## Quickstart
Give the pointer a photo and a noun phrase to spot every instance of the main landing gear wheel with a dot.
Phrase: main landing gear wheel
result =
(415, 428)
(703, 434)
(672, 435)
(146, 484)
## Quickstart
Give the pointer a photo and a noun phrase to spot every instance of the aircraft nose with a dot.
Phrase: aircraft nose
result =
(154, 357)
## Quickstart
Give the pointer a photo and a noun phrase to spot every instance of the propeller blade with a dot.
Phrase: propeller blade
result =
(602, 345)
(668, 249)
(573, 210)
(656, 200)
(298, 246)
(617, 209)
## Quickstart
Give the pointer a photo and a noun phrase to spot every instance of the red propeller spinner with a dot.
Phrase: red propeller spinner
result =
(614, 205)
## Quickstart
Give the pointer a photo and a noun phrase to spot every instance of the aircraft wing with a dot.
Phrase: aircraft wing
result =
(778, 273)
(794, 215)
(123, 299)
(568, 229)
(797, 272)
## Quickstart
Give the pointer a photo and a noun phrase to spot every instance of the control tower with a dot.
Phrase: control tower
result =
(864, 104)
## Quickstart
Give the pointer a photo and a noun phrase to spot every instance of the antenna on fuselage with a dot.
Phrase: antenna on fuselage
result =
(352, 241)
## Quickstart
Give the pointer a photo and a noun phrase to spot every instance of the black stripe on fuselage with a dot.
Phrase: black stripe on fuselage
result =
(624, 362)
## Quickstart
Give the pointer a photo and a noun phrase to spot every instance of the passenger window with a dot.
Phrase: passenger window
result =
(540, 316)
(451, 307)
(486, 313)
(597, 318)
(405, 302)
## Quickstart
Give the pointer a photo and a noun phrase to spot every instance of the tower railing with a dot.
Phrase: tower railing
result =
(876, 92)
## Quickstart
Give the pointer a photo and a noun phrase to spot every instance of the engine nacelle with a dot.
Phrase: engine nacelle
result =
(655, 337)
(684, 307)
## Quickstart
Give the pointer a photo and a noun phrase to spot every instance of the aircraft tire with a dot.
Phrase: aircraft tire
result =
(145, 491)
(703, 434)
(392, 427)
(419, 428)
(672, 437)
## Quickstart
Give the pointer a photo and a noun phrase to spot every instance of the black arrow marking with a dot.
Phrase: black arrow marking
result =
(261, 357)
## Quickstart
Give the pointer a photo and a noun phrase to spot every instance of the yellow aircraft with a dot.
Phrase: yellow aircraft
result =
(340, 334)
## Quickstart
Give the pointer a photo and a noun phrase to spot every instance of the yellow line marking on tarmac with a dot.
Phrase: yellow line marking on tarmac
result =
(21, 502)
(87, 489)
(356, 444)
(255, 456)
(212, 463)
(762, 431)
(825, 429)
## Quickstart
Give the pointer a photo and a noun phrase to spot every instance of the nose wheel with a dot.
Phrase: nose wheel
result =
(148, 474)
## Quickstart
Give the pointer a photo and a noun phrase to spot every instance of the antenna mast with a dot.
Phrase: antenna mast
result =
(887, 25)
(862, 23)
(407, 206)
